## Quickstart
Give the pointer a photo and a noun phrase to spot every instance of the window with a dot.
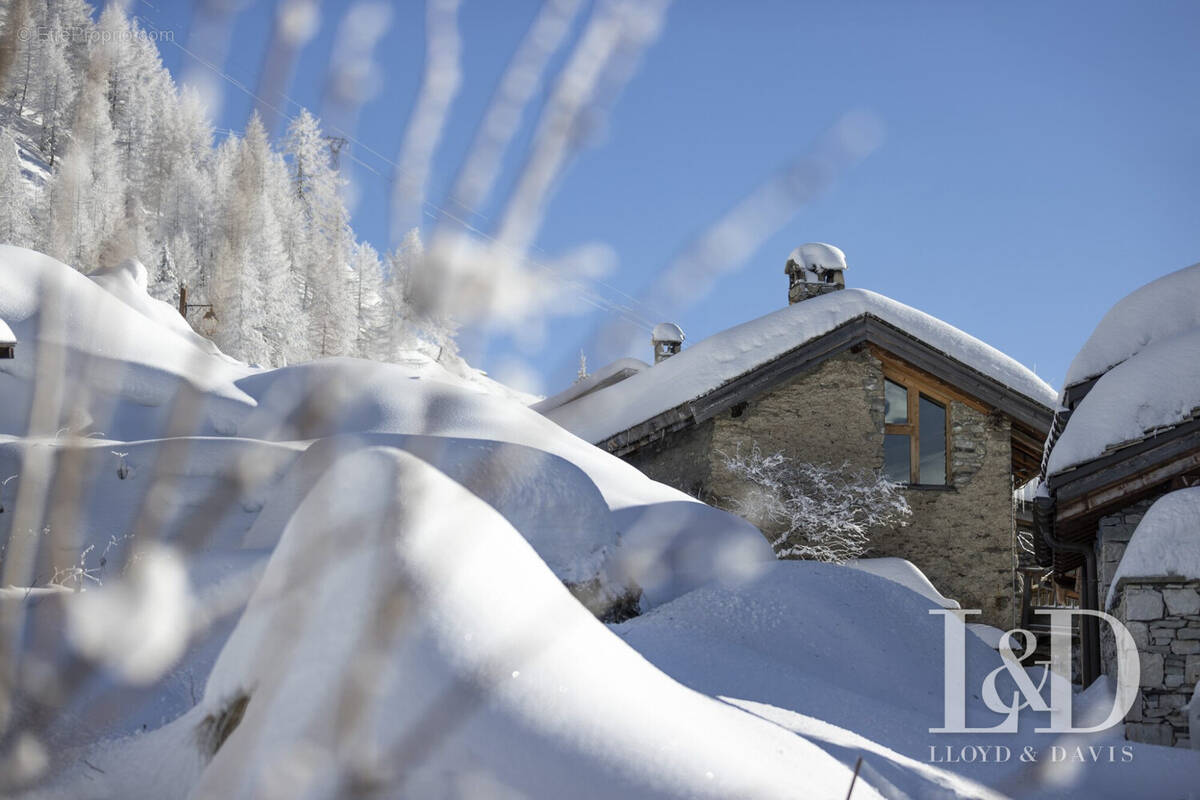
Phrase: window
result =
(915, 440)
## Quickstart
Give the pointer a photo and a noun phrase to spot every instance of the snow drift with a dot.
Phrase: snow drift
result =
(360, 577)
(415, 642)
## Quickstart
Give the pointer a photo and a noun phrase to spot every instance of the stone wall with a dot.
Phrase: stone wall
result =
(1112, 537)
(960, 536)
(682, 459)
(1163, 616)
(831, 415)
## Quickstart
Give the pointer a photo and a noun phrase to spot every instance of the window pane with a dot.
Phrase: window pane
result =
(896, 457)
(895, 403)
(932, 425)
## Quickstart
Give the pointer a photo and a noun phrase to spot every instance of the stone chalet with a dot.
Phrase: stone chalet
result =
(1116, 516)
(841, 376)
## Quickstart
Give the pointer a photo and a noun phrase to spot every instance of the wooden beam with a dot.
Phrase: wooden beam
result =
(1117, 492)
(1107, 469)
(964, 378)
(932, 385)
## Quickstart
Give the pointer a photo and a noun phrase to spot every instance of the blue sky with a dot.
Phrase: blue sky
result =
(1038, 160)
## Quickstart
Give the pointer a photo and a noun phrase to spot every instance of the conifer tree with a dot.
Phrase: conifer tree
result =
(132, 170)
(16, 222)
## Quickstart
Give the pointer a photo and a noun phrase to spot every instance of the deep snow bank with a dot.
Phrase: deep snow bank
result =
(853, 662)
(105, 361)
(113, 367)
(404, 636)
(135, 372)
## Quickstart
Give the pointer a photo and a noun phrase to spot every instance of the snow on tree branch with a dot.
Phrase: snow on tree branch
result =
(814, 511)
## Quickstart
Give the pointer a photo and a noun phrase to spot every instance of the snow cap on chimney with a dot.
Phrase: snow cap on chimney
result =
(814, 269)
(667, 339)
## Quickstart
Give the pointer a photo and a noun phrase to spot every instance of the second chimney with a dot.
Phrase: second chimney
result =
(667, 339)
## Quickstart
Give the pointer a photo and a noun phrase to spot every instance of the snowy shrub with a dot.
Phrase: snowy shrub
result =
(122, 465)
(216, 727)
(819, 512)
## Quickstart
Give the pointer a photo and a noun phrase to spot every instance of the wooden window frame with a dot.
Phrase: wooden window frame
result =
(915, 388)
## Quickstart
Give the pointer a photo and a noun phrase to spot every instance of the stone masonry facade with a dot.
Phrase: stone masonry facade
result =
(1112, 537)
(1163, 616)
(960, 535)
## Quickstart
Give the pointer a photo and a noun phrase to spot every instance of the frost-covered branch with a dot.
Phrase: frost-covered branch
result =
(814, 511)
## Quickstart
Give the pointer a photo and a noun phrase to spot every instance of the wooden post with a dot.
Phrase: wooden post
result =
(183, 301)
(854, 778)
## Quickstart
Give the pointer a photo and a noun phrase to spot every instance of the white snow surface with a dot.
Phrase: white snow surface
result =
(127, 282)
(1156, 388)
(667, 332)
(818, 256)
(990, 634)
(850, 661)
(137, 358)
(6, 334)
(905, 573)
(127, 364)
(711, 363)
(1161, 309)
(1166, 543)
(376, 555)
(435, 603)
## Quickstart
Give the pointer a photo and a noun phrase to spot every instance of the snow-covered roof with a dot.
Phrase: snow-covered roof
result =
(1156, 388)
(1166, 543)
(1159, 310)
(608, 374)
(667, 332)
(818, 257)
(6, 334)
(1144, 352)
(715, 361)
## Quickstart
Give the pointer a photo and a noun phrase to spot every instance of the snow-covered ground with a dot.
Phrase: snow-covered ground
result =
(34, 169)
(346, 577)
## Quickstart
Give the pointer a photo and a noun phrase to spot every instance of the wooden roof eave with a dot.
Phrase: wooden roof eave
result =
(1113, 479)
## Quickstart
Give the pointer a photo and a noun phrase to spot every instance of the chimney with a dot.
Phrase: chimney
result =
(667, 339)
(814, 269)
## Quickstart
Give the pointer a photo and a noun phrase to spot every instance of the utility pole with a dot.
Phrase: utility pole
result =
(336, 143)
